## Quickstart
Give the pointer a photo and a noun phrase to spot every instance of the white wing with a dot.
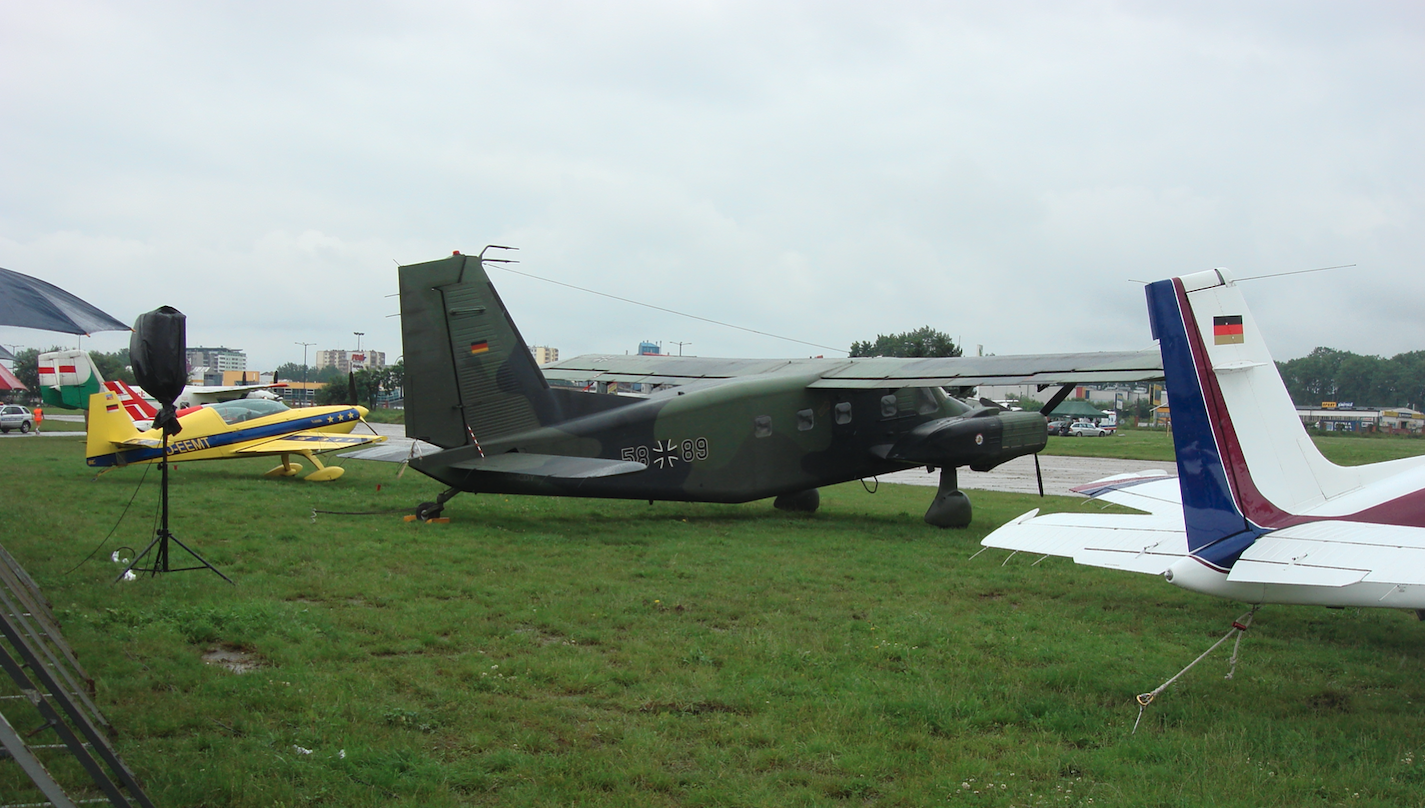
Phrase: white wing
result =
(1149, 543)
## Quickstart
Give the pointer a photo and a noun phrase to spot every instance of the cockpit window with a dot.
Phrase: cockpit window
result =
(246, 409)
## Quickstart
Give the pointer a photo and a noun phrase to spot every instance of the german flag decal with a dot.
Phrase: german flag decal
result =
(1227, 330)
(484, 345)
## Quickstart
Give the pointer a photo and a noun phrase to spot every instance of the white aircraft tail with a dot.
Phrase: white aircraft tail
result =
(1245, 462)
(67, 378)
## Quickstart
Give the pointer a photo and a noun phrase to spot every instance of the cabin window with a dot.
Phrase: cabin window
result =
(843, 412)
(762, 426)
(889, 406)
(805, 420)
(929, 400)
(911, 401)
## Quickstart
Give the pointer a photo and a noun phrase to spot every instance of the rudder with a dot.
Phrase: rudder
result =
(107, 425)
(469, 374)
(1245, 462)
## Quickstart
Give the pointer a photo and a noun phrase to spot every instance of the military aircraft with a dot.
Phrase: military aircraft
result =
(227, 430)
(1256, 514)
(731, 430)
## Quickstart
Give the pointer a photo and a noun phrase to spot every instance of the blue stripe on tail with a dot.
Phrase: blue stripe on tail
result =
(1217, 531)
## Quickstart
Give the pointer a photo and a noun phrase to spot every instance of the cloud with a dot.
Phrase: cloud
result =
(812, 170)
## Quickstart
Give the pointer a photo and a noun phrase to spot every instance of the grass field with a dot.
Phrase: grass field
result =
(1157, 444)
(567, 652)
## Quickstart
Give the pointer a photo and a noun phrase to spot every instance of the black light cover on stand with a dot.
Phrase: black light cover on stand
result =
(157, 351)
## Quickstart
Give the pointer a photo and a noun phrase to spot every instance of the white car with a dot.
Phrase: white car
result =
(1082, 429)
(13, 416)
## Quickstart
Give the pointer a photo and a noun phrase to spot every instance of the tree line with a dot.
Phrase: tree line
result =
(360, 387)
(1327, 374)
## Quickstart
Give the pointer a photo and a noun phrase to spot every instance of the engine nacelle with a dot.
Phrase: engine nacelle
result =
(981, 439)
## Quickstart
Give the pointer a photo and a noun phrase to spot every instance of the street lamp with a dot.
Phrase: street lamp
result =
(359, 335)
(305, 391)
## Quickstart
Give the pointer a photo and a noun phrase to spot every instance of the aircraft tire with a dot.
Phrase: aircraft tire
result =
(949, 509)
(801, 502)
(427, 511)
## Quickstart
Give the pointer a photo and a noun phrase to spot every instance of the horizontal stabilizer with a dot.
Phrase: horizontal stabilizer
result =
(138, 443)
(400, 450)
(1117, 541)
(1147, 543)
(1335, 554)
(300, 442)
(557, 466)
(1150, 491)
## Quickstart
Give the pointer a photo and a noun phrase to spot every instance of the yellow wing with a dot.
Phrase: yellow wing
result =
(309, 441)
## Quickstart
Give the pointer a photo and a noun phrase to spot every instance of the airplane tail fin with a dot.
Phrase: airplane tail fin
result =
(107, 425)
(67, 378)
(134, 404)
(1245, 462)
(469, 374)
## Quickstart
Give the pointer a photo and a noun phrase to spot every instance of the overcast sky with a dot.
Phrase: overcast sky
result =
(823, 171)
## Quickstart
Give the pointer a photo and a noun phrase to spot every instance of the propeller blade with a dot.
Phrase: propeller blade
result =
(1038, 476)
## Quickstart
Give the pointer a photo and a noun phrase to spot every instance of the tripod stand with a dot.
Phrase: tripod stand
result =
(163, 536)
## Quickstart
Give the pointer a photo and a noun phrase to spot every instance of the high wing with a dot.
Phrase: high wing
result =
(871, 372)
(1149, 543)
(195, 395)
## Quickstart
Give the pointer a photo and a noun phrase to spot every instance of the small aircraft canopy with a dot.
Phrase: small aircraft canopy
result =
(246, 409)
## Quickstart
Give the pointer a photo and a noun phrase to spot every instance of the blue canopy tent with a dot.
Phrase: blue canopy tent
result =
(28, 302)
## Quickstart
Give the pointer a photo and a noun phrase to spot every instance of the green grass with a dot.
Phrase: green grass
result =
(1134, 443)
(52, 425)
(566, 652)
(386, 416)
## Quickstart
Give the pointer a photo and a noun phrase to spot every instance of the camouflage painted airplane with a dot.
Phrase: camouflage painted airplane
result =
(731, 430)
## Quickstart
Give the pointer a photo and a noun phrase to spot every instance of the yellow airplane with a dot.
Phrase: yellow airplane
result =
(247, 427)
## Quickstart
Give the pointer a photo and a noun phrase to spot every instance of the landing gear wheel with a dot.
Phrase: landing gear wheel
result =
(801, 502)
(427, 511)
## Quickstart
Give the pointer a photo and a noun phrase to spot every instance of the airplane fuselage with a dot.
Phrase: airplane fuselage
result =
(738, 440)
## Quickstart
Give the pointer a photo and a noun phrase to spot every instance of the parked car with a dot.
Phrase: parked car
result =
(1059, 427)
(13, 416)
(1083, 429)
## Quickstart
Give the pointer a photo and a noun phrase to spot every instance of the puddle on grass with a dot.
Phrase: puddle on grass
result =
(232, 659)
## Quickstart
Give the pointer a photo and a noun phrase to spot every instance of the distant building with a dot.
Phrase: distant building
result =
(1402, 419)
(647, 348)
(232, 378)
(217, 359)
(346, 361)
(544, 355)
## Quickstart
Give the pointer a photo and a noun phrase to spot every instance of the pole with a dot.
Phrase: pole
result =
(305, 391)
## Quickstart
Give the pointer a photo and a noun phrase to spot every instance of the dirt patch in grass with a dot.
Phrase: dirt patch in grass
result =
(234, 659)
